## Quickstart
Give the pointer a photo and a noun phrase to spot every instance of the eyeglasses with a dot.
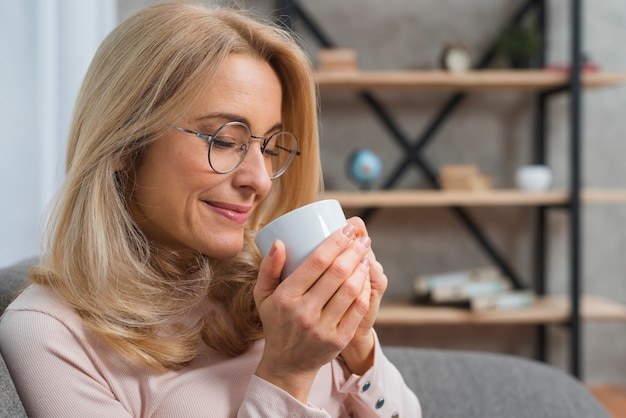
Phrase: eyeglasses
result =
(229, 145)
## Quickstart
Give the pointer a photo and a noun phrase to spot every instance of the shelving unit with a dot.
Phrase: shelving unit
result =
(528, 80)
(433, 198)
(544, 83)
(546, 310)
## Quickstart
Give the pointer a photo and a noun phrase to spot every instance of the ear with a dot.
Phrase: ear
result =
(119, 164)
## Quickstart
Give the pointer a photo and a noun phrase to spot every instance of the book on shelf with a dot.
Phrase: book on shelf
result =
(469, 290)
(478, 289)
(424, 284)
(512, 299)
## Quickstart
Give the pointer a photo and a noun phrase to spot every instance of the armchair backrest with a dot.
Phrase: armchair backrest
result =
(12, 279)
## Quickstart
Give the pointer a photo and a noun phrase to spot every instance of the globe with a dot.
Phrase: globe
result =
(364, 167)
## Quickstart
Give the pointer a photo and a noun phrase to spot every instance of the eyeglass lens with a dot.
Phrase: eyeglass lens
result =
(231, 142)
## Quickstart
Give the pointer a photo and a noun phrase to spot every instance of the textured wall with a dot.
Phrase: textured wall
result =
(494, 131)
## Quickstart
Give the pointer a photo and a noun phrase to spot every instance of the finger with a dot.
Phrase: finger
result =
(378, 278)
(352, 317)
(341, 269)
(269, 272)
(359, 226)
(350, 291)
(305, 275)
(361, 231)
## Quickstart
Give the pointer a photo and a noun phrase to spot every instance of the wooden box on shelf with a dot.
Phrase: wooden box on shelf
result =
(337, 59)
(463, 177)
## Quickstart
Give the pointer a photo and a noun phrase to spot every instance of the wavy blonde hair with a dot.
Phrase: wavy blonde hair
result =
(138, 298)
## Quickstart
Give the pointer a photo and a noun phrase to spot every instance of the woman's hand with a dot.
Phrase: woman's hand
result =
(359, 354)
(316, 312)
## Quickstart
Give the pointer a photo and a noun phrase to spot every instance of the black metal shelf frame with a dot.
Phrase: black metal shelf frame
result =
(288, 10)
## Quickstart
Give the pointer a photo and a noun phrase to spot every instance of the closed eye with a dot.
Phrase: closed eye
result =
(223, 143)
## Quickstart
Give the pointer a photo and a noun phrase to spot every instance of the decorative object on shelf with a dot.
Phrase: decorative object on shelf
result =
(456, 58)
(533, 178)
(463, 177)
(337, 59)
(364, 167)
(520, 45)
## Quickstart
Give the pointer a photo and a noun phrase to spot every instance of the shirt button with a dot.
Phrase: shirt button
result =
(380, 403)
(366, 386)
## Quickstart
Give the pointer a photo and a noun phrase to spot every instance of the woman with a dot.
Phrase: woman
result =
(193, 127)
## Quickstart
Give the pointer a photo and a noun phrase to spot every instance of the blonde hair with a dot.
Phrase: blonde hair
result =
(138, 298)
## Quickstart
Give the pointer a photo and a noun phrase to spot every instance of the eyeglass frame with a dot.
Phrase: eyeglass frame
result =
(263, 143)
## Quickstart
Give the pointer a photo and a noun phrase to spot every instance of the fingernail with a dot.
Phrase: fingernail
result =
(273, 249)
(366, 241)
(365, 262)
(348, 230)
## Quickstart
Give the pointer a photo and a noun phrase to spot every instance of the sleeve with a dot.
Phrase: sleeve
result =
(379, 392)
(53, 373)
(265, 400)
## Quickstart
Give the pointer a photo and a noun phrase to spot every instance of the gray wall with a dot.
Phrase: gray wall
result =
(492, 130)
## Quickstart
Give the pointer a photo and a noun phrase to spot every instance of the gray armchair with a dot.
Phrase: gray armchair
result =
(12, 279)
(449, 384)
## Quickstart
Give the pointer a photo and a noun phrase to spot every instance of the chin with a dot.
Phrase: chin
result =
(223, 252)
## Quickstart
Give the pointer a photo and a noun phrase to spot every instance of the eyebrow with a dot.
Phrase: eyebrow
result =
(236, 118)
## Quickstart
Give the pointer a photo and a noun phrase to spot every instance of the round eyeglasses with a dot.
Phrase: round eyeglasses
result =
(229, 145)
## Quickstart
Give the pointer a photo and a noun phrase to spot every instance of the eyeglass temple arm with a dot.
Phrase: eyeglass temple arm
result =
(288, 150)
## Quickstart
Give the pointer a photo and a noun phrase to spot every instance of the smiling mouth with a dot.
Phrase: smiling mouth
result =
(235, 213)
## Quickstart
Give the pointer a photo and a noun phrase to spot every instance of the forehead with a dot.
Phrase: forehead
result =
(243, 86)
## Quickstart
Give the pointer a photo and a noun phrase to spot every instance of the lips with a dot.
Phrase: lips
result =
(235, 213)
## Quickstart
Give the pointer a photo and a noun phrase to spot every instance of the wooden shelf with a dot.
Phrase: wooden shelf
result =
(533, 80)
(549, 309)
(497, 197)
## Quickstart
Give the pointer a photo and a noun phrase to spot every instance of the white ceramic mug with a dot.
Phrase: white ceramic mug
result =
(302, 231)
(534, 178)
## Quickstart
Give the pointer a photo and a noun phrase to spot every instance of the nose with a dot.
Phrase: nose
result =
(253, 171)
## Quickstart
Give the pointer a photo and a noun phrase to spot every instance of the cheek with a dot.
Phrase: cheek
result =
(159, 180)
(168, 166)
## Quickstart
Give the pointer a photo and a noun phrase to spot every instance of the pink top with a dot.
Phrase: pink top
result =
(62, 370)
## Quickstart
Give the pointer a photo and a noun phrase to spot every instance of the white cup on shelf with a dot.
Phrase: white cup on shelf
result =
(533, 178)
